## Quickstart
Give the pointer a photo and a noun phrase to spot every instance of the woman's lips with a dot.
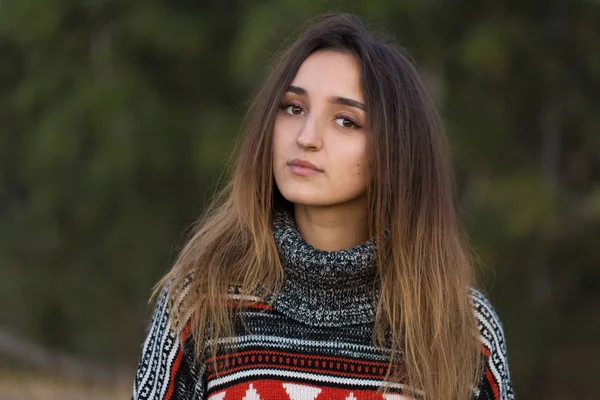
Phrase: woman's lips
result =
(304, 171)
(303, 167)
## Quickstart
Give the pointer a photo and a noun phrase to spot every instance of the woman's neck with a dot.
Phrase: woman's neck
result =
(332, 228)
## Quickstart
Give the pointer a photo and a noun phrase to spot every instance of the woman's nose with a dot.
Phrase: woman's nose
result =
(310, 136)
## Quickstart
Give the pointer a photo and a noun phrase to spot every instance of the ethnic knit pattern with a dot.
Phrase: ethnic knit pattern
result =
(310, 343)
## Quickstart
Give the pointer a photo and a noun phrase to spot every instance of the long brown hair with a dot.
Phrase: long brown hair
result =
(424, 314)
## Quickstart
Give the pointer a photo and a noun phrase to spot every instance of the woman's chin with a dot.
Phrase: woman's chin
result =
(307, 199)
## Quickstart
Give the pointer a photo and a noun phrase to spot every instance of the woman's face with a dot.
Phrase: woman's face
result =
(319, 144)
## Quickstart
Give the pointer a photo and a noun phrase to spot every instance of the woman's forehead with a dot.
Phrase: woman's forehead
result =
(330, 73)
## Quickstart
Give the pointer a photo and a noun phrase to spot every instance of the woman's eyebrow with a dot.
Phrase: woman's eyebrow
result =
(349, 102)
(335, 99)
(296, 89)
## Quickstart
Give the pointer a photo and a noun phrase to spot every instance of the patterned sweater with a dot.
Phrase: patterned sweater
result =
(313, 342)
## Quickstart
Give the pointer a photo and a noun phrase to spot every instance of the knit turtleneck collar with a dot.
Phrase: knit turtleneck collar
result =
(324, 288)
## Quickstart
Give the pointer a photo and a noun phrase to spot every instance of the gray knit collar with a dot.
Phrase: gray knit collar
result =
(324, 288)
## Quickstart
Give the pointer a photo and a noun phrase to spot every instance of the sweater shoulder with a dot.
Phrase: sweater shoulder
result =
(166, 364)
(496, 382)
(488, 321)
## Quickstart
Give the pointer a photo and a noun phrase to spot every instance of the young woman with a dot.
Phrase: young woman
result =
(332, 266)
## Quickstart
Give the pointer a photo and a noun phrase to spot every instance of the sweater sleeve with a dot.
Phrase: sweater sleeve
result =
(166, 368)
(495, 383)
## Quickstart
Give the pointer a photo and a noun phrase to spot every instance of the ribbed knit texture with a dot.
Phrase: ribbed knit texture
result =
(324, 288)
(314, 342)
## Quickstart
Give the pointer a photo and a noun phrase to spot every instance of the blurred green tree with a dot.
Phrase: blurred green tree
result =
(117, 117)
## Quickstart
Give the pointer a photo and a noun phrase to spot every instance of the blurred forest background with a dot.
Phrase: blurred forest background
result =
(117, 117)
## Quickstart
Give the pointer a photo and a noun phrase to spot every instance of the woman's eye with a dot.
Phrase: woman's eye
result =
(345, 123)
(293, 109)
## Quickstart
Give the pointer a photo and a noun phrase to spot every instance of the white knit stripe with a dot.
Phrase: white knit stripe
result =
(260, 314)
(370, 356)
(159, 362)
(183, 293)
(152, 342)
(346, 349)
(291, 341)
(494, 333)
(159, 392)
(495, 329)
(493, 326)
(482, 302)
(375, 383)
(149, 343)
(243, 297)
(292, 344)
